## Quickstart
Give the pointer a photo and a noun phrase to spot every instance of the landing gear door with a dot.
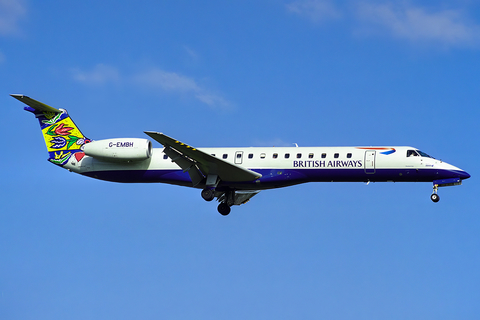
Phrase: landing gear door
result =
(369, 163)
(238, 157)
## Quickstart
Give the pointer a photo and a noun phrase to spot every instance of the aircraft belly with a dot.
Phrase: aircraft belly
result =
(276, 178)
(177, 177)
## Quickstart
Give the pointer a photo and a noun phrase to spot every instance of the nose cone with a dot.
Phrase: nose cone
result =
(450, 171)
(463, 175)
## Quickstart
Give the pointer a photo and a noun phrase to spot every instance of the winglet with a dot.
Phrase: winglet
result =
(37, 105)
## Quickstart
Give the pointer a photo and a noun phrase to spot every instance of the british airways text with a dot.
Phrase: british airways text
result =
(327, 164)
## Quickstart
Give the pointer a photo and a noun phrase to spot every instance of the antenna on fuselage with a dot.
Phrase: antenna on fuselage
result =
(296, 145)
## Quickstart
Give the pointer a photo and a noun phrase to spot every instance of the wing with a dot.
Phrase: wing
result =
(200, 164)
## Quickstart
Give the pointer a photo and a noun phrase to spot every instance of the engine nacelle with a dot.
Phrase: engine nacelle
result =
(122, 149)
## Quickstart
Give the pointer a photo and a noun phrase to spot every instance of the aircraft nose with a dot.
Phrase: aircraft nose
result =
(463, 175)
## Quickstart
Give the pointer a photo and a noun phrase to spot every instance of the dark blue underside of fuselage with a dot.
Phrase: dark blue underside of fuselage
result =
(276, 178)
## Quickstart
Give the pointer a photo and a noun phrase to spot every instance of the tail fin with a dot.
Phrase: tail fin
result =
(62, 136)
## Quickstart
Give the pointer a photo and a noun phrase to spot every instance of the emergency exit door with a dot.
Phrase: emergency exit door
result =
(238, 157)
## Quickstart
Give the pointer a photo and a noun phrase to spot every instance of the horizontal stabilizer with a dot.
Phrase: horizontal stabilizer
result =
(208, 164)
(37, 105)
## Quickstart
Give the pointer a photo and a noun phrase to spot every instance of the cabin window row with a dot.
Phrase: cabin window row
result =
(276, 155)
(300, 155)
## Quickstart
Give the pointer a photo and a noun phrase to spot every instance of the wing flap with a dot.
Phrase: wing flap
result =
(186, 164)
(241, 197)
(208, 164)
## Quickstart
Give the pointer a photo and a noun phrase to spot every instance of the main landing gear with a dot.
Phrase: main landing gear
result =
(226, 200)
(208, 194)
(435, 197)
(223, 208)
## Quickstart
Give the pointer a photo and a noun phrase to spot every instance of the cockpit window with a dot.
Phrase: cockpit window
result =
(423, 154)
(412, 153)
(417, 153)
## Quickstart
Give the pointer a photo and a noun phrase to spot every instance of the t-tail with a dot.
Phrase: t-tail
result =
(62, 137)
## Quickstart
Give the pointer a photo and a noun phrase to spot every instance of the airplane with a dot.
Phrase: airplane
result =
(232, 175)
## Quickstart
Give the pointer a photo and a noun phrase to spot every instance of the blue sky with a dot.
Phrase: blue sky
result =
(241, 73)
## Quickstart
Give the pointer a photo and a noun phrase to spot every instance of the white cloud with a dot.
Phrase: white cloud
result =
(180, 84)
(400, 19)
(155, 78)
(315, 10)
(448, 27)
(191, 53)
(213, 100)
(11, 11)
(100, 74)
(168, 81)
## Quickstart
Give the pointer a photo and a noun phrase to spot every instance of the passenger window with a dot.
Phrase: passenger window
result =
(275, 155)
(310, 156)
(250, 156)
(262, 156)
(225, 156)
(336, 155)
(239, 155)
(287, 155)
(349, 155)
(299, 155)
(165, 157)
(324, 155)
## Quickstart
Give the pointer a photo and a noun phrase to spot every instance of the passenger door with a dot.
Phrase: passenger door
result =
(369, 163)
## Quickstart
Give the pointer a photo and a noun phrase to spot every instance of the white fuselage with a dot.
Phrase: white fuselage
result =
(282, 166)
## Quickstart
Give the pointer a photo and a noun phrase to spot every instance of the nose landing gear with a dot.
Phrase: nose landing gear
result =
(435, 197)
(443, 183)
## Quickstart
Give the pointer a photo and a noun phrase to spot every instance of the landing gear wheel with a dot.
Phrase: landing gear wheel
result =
(435, 197)
(223, 208)
(208, 194)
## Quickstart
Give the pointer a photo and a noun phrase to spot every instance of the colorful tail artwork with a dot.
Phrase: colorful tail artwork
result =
(62, 136)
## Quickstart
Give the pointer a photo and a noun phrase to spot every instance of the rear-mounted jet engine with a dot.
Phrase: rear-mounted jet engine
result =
(119, 150)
